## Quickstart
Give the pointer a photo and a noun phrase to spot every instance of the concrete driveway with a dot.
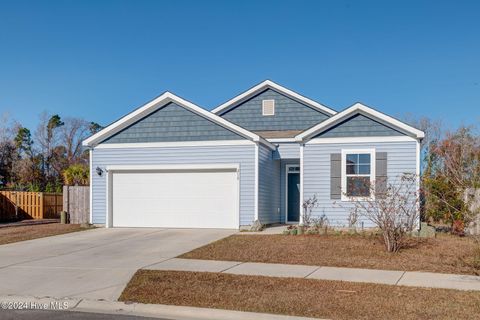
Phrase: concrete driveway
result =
(93, 264)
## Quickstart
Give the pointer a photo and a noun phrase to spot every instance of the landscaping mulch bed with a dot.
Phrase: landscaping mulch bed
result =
(444, 254)
(22, 233)
(300, 297)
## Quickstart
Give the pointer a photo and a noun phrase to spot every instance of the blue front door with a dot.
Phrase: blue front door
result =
(293, 194)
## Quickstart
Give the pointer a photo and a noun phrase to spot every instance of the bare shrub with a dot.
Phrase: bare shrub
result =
(308, 206)
(393, 210)
(310, 222)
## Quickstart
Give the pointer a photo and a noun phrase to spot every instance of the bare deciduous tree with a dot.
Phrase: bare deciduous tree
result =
(46, 137)
(72, 134)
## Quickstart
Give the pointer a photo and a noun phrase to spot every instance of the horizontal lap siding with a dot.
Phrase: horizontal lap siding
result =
(268, 187)
(401, 159)
(289, 150)
(243, 155)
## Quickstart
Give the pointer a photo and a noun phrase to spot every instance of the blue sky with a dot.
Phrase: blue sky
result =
(100, 59)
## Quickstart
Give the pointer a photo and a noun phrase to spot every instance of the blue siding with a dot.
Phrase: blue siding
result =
(172, 123)
(289, 114)
(242, 154)
(359, 126)
(287, 150)
(401, 159)
(268, 186)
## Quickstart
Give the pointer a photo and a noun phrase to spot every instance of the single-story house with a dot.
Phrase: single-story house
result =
(258, 156)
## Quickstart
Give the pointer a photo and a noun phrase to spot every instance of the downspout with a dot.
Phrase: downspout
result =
(302, 145)
(90, 189)
(417, 173)
(256, 182)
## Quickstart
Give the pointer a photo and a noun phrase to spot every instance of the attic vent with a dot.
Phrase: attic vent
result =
(268, 107)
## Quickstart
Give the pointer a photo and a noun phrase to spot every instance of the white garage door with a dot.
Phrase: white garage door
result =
(175, 199)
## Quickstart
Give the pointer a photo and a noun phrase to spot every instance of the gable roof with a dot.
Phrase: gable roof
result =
(158, 103)
(359, 108)
(272, 85)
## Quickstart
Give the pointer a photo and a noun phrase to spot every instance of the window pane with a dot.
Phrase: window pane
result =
(364, 169)
(352, 158)
(358, 186)
(364, 158)
(352, 168)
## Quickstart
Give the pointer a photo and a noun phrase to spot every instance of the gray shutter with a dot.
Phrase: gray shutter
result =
(335, 176)
(380, 173)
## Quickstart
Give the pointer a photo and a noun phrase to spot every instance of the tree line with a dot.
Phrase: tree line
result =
(450, 175)
(47, 158)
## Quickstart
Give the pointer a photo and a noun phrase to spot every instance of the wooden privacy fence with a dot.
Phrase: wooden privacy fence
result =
(76, 202)
(19, 205)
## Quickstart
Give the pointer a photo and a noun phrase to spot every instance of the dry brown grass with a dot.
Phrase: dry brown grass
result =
(301, 297)
(444, 254)
(22, 233)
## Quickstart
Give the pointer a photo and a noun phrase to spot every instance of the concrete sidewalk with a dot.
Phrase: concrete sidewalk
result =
(389, 277)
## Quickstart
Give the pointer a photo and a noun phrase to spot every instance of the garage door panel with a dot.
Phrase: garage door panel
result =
(186, 199)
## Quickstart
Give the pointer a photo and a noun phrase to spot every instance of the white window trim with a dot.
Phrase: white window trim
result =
(344, 173)
(263, 108)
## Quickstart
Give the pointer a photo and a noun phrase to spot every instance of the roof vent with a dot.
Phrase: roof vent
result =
(268, 107)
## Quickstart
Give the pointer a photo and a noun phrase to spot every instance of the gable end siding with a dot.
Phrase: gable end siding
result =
(172, 123)
(289, 113)
(359, 126)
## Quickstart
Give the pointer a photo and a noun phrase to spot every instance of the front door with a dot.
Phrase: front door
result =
(293, 193)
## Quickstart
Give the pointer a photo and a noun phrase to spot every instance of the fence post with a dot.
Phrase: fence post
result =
(42, 206)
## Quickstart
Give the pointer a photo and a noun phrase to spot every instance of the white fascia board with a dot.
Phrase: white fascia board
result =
(267, 143)
(358, 107)
(302, 180)
(268, 83)
(276, 140)
(129, 118)
(174, 144)
(361, 139)
(213, 166)
(162, 100)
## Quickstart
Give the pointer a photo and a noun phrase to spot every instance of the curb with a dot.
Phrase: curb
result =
(138, 309)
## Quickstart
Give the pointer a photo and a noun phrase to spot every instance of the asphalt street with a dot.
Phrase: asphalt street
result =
(61, 315)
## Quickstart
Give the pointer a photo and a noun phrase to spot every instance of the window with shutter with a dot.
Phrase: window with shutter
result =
(358, 174)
